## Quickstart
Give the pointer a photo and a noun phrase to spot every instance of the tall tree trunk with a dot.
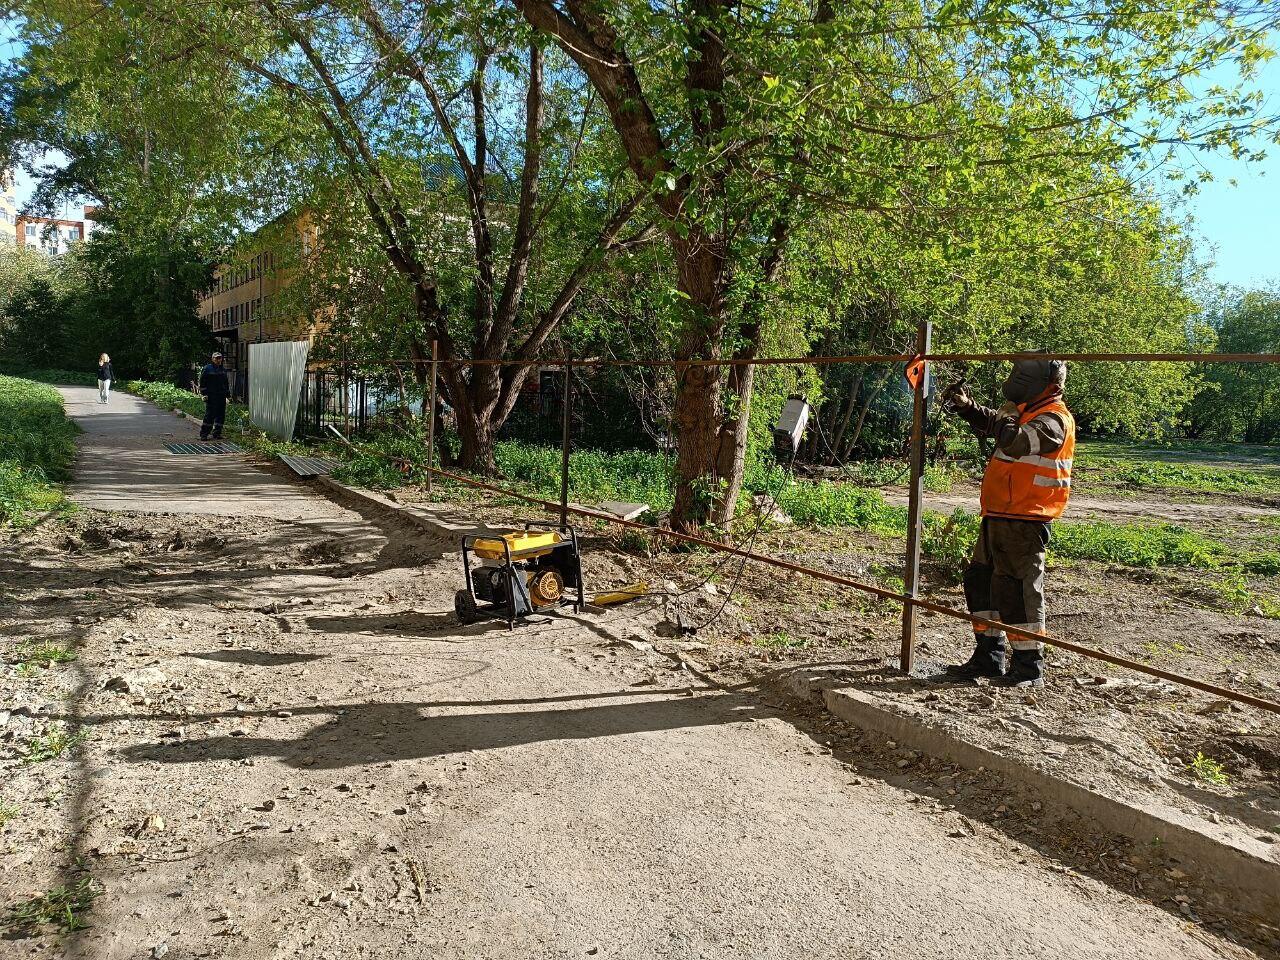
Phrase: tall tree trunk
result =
(697, 412)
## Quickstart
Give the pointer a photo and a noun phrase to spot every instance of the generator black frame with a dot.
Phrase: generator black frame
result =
(490, 609)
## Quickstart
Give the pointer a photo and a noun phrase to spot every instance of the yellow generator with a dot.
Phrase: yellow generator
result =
(521, 572)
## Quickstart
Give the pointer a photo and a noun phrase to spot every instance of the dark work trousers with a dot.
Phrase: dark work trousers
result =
(1005, 577)
(215, 411)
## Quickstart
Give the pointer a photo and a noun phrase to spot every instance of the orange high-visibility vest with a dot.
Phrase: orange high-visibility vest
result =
(1034, 486)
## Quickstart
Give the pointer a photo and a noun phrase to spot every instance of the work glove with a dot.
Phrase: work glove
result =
(957, 397)
(1008, 409)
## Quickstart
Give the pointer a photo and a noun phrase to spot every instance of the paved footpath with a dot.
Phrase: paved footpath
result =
(357, 776)
(123, 465)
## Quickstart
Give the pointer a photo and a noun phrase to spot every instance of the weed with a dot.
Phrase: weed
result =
(634, 541)
(55, 742)
(30, 654)
(1209, 770)
(8, 811)
(1238, 597)
(62, 907)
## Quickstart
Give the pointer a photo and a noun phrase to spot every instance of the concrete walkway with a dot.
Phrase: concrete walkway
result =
(122, 464)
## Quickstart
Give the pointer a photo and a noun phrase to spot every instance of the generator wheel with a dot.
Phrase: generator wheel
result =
(465, 607)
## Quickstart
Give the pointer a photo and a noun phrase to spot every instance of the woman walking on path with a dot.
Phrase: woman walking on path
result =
(105, 376)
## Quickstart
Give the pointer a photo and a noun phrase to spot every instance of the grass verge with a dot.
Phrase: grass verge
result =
(37, 445)
(54, 375)
(646, 477)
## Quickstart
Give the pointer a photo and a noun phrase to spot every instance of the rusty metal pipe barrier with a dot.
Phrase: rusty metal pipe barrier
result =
(1096, 654)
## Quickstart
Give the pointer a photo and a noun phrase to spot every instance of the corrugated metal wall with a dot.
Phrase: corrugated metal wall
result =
(275, 380)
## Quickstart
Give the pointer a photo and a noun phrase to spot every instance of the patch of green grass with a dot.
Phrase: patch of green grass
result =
(938, 478)
(41, 653)
(779, 640)
(1209, 770)
(53, 744)
(8, 812)
(62, 908)
(37, 445)
(1237, 596)
(1191, 478)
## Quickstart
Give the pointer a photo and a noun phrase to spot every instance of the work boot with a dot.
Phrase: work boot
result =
(987, 660)
(1025, 670)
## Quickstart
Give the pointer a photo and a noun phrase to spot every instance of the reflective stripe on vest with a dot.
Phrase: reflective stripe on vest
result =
(1033, 486)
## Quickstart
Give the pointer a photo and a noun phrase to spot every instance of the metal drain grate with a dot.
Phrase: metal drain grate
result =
(309, 466)
(208, 447)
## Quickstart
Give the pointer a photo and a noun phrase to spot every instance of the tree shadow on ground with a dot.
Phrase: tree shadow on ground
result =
(255, 658)
(387, 732)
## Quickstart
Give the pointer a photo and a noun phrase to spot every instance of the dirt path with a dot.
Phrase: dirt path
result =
(301, 754)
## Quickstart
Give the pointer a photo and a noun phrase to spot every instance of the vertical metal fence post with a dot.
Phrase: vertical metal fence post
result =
(431, 416)
(911, 572)
(566, 418)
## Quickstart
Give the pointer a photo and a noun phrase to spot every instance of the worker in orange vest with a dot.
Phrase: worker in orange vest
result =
(1025, 488)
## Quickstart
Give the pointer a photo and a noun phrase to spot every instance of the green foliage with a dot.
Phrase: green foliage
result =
(56, 741)
(1209, 770)
(53, 375)
(37, 445)
(130, 298)
(8, 812)
(62, 907)
(826, 504)
(1241, 401)
(778, 641)
(1239, 597)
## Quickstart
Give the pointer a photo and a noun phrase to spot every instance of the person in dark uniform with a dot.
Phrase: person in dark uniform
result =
(215, 389)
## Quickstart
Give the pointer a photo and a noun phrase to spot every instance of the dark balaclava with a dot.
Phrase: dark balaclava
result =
(1030, 378)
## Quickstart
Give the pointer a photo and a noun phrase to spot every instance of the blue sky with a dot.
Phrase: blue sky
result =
(1235, 227)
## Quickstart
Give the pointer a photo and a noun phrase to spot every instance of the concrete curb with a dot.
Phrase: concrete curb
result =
(430, 518)
(1242, 866)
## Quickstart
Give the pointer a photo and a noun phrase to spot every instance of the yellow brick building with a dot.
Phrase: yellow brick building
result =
(236, 307)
